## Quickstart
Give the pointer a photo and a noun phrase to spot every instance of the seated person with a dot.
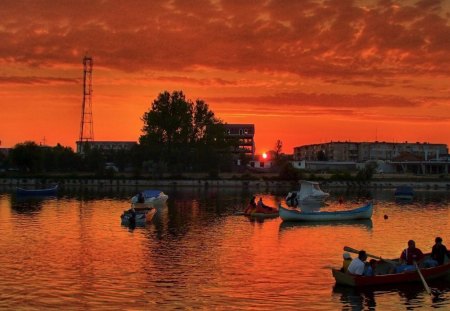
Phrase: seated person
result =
(357, 266)
(251, 206)
(346, 262)
(370, 269)
(438, 253)
(409, 257)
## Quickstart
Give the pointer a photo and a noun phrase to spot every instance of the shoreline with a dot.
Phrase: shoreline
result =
(215, 183)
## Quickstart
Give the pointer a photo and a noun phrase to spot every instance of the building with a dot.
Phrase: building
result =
(243, 135)
(106, 145)
(365, 151)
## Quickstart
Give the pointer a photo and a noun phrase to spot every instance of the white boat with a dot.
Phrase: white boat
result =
(309, 193)
(151, 197)
(295, 214)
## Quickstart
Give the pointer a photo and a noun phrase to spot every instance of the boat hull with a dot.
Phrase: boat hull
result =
(385, 279)
(142, 217)
(289, 214)
(37, 192)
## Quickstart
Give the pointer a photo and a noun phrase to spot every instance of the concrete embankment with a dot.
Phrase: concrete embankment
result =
(226, 183)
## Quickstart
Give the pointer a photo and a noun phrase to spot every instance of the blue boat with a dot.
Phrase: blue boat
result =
(37, 192)
(404, 192)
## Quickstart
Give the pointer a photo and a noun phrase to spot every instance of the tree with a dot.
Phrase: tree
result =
(27, 157)
(278, 149)
(181, 135)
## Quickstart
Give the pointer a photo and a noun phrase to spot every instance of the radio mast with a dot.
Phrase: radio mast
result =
(87, 123)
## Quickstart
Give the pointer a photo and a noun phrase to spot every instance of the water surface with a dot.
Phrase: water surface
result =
(71, 252)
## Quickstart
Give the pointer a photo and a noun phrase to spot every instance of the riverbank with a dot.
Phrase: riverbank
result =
(379, 182)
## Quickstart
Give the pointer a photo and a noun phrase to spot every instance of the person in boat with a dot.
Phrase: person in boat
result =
(292, 200)
(358, 265)
(409, 257)
(370, 269)
(346, 262)
(140, 198)
(438, 253)
(262, 208)
(251, 206)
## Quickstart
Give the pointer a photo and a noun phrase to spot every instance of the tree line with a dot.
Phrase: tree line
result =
(178, 136)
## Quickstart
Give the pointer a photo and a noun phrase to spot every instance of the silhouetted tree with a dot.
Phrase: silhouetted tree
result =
(182, 135)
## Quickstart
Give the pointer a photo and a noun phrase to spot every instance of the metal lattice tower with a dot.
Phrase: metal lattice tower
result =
(87, 123)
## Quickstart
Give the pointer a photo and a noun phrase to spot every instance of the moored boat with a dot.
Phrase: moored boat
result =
(404, 192)
(386, 278)
(151, 196)
(294, 214)
(139, 217)
(37, 192)
(309, 193)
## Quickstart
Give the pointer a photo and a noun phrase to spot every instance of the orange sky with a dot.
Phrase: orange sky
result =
(303, 71)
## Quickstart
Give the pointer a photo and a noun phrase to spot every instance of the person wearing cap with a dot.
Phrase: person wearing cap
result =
(438, 253)
(409, 257)
(346, 262)
(358, 265)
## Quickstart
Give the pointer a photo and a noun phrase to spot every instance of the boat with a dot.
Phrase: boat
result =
(309, 193)
(404, 192)
(142, 216)
(37, 192)
(387, 278)
(295, 214)
(151, 197)
(262, 212)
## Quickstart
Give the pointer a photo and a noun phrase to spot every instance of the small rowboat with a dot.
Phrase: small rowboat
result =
(37, 192)
(261, 212)
(141, 217)
(293, 214)
(386, 279)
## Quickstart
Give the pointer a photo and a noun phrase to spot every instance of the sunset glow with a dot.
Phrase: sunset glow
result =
(303, 72)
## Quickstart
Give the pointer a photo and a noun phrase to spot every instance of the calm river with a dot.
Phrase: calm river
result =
(71, 252)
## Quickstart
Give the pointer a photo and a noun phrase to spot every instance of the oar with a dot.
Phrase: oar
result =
(427, 288)
(352, 250)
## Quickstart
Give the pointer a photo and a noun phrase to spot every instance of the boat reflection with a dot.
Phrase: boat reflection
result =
(24, 205)
(411, 296)
(363, 223)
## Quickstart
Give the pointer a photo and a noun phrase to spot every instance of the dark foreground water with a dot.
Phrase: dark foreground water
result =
(71, 252)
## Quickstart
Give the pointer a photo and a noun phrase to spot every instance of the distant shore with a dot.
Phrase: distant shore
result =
(384, 182)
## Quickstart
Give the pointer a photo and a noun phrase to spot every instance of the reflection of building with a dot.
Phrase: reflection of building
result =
(364, 151)
(107, 145)
(243, 135)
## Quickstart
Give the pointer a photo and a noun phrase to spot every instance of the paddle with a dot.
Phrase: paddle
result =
(352, 250)
(427, 288)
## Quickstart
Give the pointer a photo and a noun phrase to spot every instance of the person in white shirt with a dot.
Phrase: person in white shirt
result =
(358, 264)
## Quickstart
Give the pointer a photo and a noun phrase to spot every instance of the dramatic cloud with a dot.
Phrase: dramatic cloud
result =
(361, 58)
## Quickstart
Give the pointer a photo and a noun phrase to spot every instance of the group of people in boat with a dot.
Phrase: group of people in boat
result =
(410, 258)
(259, 207)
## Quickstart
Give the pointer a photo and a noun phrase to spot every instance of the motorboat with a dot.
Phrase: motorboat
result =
(309, 193)
(295, 214)
(150, 196)
(137, 217)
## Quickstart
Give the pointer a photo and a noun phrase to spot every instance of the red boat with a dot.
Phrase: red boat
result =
(261, 211)
(384, 277)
